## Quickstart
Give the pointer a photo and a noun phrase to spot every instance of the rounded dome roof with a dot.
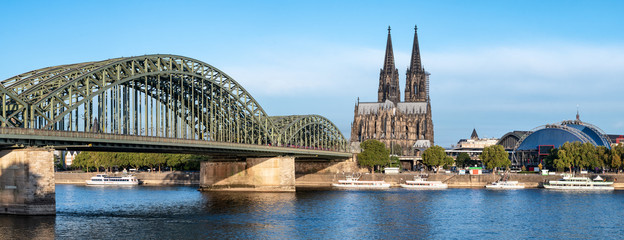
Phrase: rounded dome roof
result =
(559, 133)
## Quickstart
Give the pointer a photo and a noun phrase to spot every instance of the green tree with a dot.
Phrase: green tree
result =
(106, 159)
(602, 154)
(615, 156)
(549, 161)
(448, 162)
(122, 161)
(576, 154)
(588, 156)
(434, 157)
(463, 159)
(374, 154)
(570, 156)
(494, 157)
(84, 160)
(89, 161)
(564, 159)
(396, 149)
(175, 160)
(159, 159)
(394, 162)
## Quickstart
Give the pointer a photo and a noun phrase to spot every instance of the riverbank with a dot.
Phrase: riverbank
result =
(324, 180)
(453, 180)
(153, 178)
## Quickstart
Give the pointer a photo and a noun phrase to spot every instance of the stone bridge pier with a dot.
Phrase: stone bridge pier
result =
(264, 174)
(27, 182)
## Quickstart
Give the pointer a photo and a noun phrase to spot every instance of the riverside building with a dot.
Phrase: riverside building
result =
(473, 146)
(536, 144)
(407, 124)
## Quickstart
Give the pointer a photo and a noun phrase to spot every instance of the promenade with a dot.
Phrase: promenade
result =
(453, 180)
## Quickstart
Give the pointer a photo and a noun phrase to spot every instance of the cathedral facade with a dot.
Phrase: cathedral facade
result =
(407, 124)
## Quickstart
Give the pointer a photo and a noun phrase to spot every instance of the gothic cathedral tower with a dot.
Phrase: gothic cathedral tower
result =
(404, 127)
(417, 88)
(389, 77)
(417, 80)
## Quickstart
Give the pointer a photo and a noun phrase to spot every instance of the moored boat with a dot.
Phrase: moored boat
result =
(569, 182)
(103, 179)
(354, 182)
(422, 183)
(505, 185)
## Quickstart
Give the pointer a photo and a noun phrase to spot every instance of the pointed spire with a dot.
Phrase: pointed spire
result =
(415, 64)
(389, 77)
(474, 134)
(389, 60)
(578, 117)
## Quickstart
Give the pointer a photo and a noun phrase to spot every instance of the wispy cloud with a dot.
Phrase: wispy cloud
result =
(530, 75)
(518, 87)
(317, 70)
(496, 89)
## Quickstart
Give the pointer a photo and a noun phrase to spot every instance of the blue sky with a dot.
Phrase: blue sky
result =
(496, 66)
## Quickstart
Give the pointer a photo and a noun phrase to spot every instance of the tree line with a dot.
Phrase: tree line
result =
(493, 157)
(570, 156)
(577, 155)
(95, 161)
(375, 154)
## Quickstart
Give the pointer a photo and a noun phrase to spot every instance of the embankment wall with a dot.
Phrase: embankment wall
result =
(325, 179)
(154, 178)
(453, 180)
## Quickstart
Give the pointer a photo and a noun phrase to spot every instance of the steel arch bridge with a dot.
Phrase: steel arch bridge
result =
(164, 96)
(307, 130)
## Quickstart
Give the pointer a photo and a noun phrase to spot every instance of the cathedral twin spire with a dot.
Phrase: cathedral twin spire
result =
(416, 84)
(389, 77)
(415, 63)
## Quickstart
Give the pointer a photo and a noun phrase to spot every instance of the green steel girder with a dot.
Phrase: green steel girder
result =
(153, 95)
(309, 130)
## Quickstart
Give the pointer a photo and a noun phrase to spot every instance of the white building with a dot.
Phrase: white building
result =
(473, 146)
(69, 157)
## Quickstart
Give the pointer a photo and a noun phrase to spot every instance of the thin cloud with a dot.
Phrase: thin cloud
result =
(518, 88)
(320, 71)
(501, 88)
(531, 75)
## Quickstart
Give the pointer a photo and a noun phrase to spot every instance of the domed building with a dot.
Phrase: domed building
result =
(537, 143)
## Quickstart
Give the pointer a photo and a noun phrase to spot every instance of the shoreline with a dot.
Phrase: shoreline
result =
(453, 180)
(324, 180)
(154, 178)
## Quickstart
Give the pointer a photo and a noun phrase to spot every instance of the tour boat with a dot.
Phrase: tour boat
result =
(353, 182)
(422, 183)
(505, 185)
(103, 179)
(569, 182)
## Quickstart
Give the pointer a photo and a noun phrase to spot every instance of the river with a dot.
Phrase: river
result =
(181, 212)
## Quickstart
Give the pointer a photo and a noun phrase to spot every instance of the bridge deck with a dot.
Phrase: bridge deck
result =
(86, 141)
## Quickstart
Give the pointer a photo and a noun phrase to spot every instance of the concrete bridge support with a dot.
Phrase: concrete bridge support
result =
(269, 174)
(27, 182)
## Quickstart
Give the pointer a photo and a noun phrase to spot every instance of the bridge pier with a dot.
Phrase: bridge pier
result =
(267, 174)
(27, 182)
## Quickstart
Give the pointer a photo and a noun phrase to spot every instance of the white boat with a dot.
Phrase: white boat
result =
(422, 183)
(103, 179)
(505, 185)
(353, 182)
(569, 182)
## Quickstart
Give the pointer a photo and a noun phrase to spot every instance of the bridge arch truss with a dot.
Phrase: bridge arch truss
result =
(166, 96)
(308, 130)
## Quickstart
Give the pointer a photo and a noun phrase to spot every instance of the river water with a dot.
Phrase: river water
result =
(181, 212)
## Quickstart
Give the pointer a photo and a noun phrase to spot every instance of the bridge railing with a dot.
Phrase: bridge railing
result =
(120, 137)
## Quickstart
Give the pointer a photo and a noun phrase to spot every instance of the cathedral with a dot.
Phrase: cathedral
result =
(406, 124)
